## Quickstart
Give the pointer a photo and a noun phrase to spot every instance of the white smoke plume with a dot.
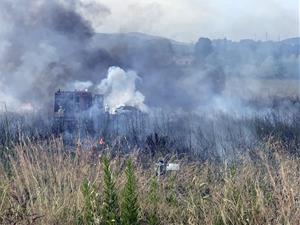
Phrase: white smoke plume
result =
(119, 89)
(80, 85)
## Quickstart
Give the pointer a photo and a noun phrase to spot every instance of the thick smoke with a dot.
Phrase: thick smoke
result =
(42, 46)
(80, 85)
(119, 89)
(209, 91)
(51, 45)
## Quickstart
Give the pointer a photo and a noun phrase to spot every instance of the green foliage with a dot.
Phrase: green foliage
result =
(130, 208)
(153, 199)
(110, 210)
(153, 193)
(171, 196)
(91, 204)
(153, 219)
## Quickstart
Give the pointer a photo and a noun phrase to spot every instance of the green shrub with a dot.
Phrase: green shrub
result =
(110, 210)
(91, 204)
(153, 199)
(130, 208)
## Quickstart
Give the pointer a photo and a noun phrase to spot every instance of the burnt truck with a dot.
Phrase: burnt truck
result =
(81, 113)
(74, 111)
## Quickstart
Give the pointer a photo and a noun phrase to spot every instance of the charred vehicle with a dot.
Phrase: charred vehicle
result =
(73, 111)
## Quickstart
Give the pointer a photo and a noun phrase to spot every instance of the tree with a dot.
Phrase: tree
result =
(110, 211)
(203, 48)
(130, 208)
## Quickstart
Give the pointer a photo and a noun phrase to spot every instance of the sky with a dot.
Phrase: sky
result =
(187, 20)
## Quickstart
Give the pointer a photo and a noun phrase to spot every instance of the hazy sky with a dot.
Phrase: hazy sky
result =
(186, 20)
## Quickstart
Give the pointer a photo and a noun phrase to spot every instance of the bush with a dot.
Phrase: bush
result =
(110, 211)
(91, 209)
(130, 208)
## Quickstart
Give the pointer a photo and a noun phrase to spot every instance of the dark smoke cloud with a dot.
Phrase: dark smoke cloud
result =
(44, 45)
(47, 45)
(68, 22)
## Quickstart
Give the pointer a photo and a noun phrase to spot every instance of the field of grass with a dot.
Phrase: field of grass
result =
(43, 183)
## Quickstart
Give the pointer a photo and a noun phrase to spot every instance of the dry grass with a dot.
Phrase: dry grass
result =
(43, 186)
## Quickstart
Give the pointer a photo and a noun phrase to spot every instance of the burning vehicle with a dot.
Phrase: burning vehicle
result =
(73, 110)
(82, 113)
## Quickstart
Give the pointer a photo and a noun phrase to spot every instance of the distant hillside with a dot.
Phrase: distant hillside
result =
(109, 41)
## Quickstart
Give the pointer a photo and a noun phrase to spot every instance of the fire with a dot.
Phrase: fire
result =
(101, 141)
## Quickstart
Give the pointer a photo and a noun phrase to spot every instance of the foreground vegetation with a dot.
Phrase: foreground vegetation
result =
(44, 183)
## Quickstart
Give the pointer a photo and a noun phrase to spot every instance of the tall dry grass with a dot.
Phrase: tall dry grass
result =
(43, 185)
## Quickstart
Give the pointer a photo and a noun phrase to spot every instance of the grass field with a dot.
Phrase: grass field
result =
(42, 183)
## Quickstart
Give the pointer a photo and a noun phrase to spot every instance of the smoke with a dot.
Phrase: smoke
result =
(80, 85)
(51, 45)
(42, 46)
(119, 89)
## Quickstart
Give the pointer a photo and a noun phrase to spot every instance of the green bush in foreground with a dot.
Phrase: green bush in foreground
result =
(111, 211)
(91, 204)
(129, 207)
